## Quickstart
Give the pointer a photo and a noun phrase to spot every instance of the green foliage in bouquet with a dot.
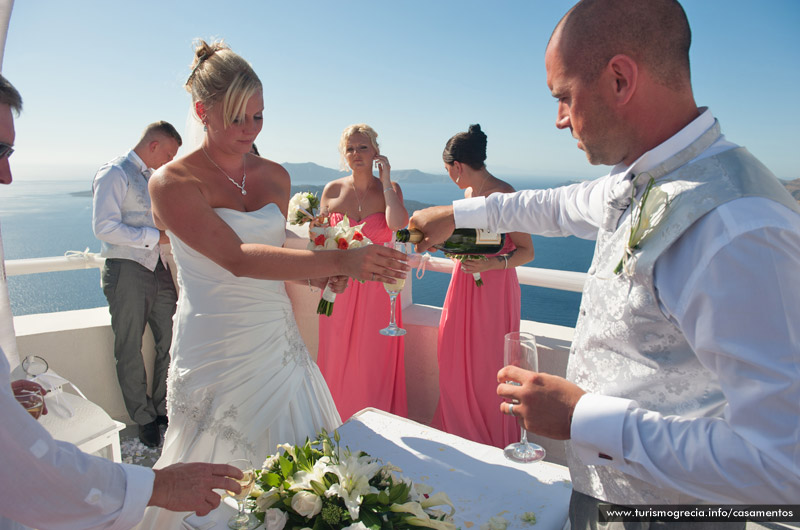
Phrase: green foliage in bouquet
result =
(319, 486)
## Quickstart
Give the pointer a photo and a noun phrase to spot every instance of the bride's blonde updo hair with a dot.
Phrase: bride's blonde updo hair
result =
(221, 76)
(362, 128)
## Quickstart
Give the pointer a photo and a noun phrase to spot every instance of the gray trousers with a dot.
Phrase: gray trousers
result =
(584, 515)
(137, 297)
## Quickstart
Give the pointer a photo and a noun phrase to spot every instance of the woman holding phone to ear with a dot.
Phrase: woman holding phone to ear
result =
(362, 367)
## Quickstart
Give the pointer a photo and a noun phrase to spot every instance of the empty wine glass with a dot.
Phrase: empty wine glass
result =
(394, 288)
(32, 400)
(519, 350)
(243, 520)
(34, 365)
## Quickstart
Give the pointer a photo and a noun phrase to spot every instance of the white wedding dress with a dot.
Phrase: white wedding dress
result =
(241, 380)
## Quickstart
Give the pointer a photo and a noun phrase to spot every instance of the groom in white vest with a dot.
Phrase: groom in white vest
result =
(136, 282)
(683, 382)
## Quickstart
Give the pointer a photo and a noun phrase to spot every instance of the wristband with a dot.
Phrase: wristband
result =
(505, 258)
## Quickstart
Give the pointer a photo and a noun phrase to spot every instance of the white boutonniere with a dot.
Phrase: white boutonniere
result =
(647, 214)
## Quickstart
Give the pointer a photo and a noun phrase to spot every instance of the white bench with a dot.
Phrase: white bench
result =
(89, 427)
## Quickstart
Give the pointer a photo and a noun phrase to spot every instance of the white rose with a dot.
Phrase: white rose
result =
(306, 504)
(330, 244)
(274, 519)
(356, 244)
(304, 202)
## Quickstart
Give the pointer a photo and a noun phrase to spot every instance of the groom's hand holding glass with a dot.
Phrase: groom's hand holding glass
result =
(190, 487)
(543, 402)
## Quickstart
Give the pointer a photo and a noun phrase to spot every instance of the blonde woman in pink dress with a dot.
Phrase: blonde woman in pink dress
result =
(362, 367)
(475, 318)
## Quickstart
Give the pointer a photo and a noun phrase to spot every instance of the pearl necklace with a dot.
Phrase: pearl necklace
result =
(244, 171)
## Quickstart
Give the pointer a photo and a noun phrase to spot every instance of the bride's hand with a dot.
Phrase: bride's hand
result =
(374, 263)
(337, 283)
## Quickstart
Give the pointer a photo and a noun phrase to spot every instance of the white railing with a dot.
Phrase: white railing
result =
(552, 279)
(72, 260)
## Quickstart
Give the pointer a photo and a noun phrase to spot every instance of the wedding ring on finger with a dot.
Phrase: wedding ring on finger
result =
(510, 409)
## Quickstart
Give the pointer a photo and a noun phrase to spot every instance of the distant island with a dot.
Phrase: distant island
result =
(309, 176)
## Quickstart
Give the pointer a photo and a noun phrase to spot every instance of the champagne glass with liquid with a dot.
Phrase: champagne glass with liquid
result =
(31, 400)
(519, 350)
(394, 288)
(243, 520)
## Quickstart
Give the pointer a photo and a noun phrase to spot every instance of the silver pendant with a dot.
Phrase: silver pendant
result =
(244, 192)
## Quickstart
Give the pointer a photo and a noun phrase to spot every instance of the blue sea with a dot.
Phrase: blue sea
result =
(47, 218)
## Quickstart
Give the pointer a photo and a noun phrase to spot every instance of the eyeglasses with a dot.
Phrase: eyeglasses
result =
(5, 150)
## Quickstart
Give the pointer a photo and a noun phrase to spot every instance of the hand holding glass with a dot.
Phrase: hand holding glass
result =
(31, 400)
(394, 288)
(243, 520)
(519, 350)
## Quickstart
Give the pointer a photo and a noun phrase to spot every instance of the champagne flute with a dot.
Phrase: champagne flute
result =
(243, 520)
(34, 365)
(519, 350)
(394, 288)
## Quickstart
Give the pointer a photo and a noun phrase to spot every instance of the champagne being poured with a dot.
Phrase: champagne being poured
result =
(463, 240)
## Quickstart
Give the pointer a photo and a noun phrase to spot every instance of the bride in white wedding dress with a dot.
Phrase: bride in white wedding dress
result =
(241, 380)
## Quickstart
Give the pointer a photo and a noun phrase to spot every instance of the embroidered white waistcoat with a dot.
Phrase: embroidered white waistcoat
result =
(136, 211)
(623, 345)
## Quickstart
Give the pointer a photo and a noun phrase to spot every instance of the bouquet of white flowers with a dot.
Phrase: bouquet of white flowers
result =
(302, 207)
(320, 487)
(340, 236)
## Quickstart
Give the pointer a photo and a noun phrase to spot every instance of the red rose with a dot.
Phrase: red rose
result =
(319, 240)
(358, 236)
(343, 243)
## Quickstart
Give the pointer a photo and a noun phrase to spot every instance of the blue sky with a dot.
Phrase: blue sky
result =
(94, 73)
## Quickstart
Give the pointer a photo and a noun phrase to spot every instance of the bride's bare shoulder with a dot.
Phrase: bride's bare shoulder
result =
(176, 176)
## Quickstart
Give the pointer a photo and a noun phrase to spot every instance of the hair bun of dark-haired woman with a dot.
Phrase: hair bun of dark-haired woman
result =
(475, 128)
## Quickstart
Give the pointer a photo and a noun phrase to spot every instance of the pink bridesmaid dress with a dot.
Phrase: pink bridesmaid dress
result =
(362, 367)
(470, 347)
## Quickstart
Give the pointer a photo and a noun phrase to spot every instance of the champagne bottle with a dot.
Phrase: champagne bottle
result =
(463, 241)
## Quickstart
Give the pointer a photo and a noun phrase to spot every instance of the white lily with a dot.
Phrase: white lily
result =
(354, 475)
(419, 517)
(268, 499)
(302, 479)
(438, 499)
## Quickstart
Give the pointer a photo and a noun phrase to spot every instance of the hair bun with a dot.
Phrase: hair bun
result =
(467, 147)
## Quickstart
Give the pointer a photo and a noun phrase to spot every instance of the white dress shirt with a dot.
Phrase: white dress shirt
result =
(110, 186)
(51, 484)
(730, 283)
